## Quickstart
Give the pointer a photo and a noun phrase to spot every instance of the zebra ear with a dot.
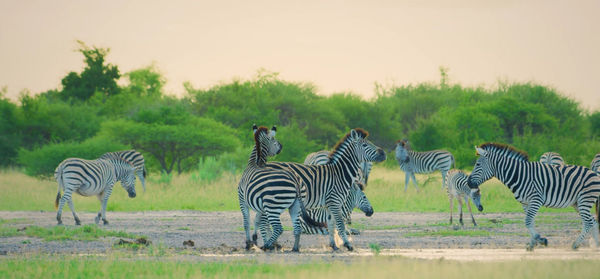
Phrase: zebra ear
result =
(254, 128)
(480, 151)
(353, 133)
(273, 131)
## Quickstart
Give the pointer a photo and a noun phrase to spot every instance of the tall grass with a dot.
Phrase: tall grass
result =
(189, 192)
(377, 267)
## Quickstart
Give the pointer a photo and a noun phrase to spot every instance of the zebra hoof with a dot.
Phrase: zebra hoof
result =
(249, 244)
(59, 223)
(105, 222)
(348, 246)
(354, 232)
(254, 238)
(575, 246)
(335, 248)
(77, 222)
(529, 247)
(268, 248)
(97, 220)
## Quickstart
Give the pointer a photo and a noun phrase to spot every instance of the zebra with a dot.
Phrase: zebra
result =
(135, 158)
(595, 165)
(458, 188)
(412, 162)
(356, 197)
(92, 178)
(269, 191)
(535, 184)
(552, 158)
(328, 185)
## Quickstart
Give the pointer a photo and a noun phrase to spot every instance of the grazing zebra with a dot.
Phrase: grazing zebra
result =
(595, 165)
(268, 191)
(552, 158)
(458, 188)
(535, 184)
(412, 162)
(356, 197)
(92, 178)
(329, 185)
(134, 158)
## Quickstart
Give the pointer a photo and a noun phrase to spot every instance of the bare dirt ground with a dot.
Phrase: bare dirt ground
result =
(219, 236)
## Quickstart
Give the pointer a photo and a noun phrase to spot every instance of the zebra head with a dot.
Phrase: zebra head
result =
(360, 199)
(402, 148)
(482, 171)
(476, 198)
(266, 144)
(128, 179)
(365, 150)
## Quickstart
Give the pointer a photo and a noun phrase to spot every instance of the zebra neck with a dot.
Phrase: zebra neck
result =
(347, 166)
(511, 172)
(255, 160)
(119, 169)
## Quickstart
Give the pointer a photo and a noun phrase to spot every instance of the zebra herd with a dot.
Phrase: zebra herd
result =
(321, 193)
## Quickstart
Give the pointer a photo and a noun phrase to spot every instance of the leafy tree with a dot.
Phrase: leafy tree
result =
(96, 76)
(145, 82)
(10, 138)
(175, 139)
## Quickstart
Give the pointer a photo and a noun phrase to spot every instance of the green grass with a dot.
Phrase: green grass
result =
(86, 232)
(377, 267)
(385, 191)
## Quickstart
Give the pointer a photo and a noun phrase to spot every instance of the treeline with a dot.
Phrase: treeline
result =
(93, 114)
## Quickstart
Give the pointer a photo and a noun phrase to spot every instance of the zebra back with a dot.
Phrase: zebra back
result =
(552, 158)
(456, 183)
(422, 162)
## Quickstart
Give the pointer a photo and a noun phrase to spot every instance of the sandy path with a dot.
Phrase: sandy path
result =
(219, 236)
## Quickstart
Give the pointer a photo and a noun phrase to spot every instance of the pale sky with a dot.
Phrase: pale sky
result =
(336, 45)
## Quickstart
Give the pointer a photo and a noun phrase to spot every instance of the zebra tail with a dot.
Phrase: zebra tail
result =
(310, 221)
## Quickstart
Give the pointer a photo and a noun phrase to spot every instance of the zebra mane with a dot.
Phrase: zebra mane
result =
(259, 131)
(506, 149)
(340, 144)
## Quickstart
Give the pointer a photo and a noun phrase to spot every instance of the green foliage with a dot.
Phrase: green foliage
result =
(10, 139)
(42, 161)
(96, 76)
(85, 232)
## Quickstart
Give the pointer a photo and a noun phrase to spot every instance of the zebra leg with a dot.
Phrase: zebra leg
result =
(470, 211)
(246, 217)
(530, 213)
(460, 204)
(412, 174)
(104, 201)
(257, 224)
(444, 173)
(65, 198)
(275, 222)
(295, 216)
(330, 229)
(588, 222)
(451, 208)
(336, 213)
(77, 221)
(265, 231)
(406, 180)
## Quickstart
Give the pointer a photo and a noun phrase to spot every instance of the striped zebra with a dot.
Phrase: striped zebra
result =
(356, 197)
(92, 178)
(412, 162)
(329, 185)
(552, 158)
(268, 191)
(535, 184)
(595, 165)
(458, 188)
(133, 157)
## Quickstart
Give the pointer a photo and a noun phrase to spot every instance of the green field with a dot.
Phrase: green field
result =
(385, 191)
(377, 267)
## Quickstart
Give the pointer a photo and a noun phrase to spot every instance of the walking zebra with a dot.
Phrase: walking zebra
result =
(92, 178)
(458, 188)
(595, 165)
(552, 158)
(328, 185)
(356, 197)
(535, 184)
(134, 158)
(268, 191)
(412, 162)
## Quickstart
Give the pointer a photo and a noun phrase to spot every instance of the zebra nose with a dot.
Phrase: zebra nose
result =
(132, 194)
(480, 208)
(369, 213)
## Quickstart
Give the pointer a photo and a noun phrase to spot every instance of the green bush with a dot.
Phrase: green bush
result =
(44, 160)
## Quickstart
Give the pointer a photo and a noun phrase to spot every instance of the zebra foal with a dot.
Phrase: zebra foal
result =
(535, 184)
(412, 162)
(458, 188)
(91, 178)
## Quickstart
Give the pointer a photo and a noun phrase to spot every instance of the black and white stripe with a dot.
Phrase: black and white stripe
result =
(356, 198)
(552, 158)
(595, 165)
(458, 188)
(535, 184)
(136, 159)
(412, 162)
(269, 192)
(92, 178)
(328, 185)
